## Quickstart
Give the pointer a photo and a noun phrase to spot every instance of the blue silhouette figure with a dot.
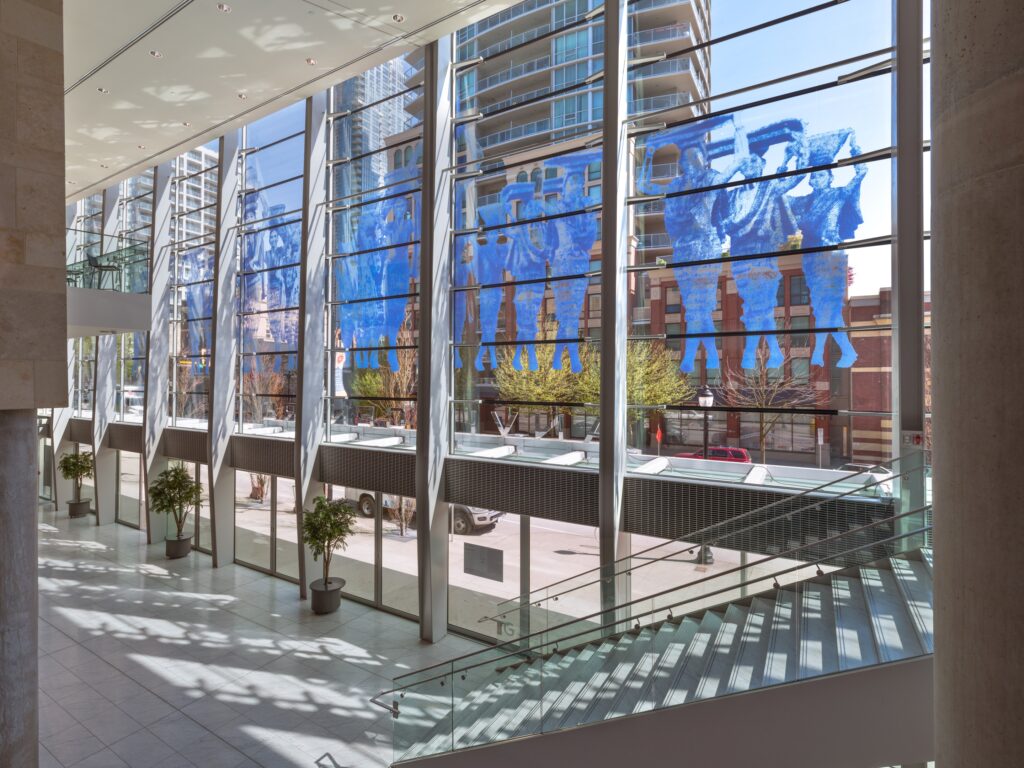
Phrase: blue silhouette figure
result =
(489, 264)
(369, 323)
(828, 216)
(398, 231)
(530, 247)
(571, 254)
(462, 273)
(694, 223)
(761, 221)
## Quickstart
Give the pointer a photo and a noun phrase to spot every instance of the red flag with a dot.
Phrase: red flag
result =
(657, 435)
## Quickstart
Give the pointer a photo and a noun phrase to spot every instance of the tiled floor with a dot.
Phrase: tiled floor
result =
(151, 663)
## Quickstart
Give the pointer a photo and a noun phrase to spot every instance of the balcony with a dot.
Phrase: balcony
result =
(504, 17)
(513, 73)
(108, 284)
(659, 35)
(657, 103)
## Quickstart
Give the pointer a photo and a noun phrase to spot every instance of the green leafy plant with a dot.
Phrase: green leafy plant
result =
(175, 493)
(76, 467)
(327, 527)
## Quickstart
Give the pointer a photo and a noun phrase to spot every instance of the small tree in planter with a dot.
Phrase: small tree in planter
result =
(325, 528)
(176, 493)
(76, 467)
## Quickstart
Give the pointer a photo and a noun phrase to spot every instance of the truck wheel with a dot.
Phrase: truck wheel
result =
(367, 507)
(462, 524)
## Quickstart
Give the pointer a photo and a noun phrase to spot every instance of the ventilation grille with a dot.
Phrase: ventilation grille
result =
(368, 469)
(265, 455)
(126, 437)
(670, 510)
(523, 489)
(80, 431)
(186, 444)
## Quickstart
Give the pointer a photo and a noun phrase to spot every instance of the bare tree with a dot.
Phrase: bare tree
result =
(761, 388)
(392, 390)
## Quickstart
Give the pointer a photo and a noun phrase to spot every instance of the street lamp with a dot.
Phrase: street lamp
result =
(706, 399)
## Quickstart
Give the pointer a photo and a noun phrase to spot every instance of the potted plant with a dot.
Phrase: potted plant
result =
(175, 493)
(76, 467)
(324, 529)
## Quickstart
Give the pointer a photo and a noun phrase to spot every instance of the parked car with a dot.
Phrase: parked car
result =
(465, 519)
(719, 453)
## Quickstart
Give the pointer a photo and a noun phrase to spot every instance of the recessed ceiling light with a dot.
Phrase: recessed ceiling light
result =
(186, 123)
(72, 182)
(104, 165)
(398, 18)
(242, 96)
(101, 89)
(311, 61)
(156, 54)
(142, 146)
(223, 7)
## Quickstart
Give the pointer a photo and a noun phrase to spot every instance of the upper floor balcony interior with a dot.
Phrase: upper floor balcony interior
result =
(107, 263)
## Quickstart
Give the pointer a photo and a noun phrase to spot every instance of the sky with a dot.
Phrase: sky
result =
(849, 29)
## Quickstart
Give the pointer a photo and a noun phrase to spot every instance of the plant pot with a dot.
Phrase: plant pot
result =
(78, 508)
(176, 548)
(326, 598)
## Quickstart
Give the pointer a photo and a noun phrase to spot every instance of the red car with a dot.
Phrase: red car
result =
(719, 453)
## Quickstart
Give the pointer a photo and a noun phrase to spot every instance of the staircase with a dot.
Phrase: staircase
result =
(850, 618)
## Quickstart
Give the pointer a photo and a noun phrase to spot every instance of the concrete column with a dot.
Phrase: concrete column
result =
(19, 612)
(432, 421)
(309, 414)
(223, 361)
(978, 359)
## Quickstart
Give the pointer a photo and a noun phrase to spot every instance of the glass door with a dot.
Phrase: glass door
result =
(266, 534)
(130, 490)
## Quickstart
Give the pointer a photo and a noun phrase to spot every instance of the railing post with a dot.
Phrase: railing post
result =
(223, 367)
(614, 183)
(309, 422)
(432, 420)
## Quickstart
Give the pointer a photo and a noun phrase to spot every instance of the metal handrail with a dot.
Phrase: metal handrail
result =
(686, 537)
(523, 653)
(706, 541)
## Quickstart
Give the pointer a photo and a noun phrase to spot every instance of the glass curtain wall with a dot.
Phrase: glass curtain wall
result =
(83, 371)
(266, 534)
(374, 169)
(83, 239)
(130, 376)
(271, 205)
(129, 248)
(130, 490)
(193, 251)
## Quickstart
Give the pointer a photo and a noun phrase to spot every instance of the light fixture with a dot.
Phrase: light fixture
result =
(101, 89)
(186, 123)
(706, 397)
(156, 54)
(398, 18)
(104, 165)
(141, 146)
(223, 7)
(242, 96)
(311, 61)
(73, 183)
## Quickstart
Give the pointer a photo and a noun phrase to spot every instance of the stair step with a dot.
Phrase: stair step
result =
(818, 652)
(926, 558)
(671, 656)
(723, 653)
(497, 701)
(893, 628)
(915, 583)
(854, 640)
(514, 703)
(748, 670)
(780, 664)
(689, 672)
(576, 679)
(626, 667)
(526, 718)
(587, 695)
(642, 674)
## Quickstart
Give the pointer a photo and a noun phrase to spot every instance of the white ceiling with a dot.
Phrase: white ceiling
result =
(208, 57)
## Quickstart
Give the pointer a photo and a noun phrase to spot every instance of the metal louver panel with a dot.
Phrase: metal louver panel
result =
(368, 469)
(126, 437)
(80, 431)
(523, 489)
(186, 444)
(266, 455)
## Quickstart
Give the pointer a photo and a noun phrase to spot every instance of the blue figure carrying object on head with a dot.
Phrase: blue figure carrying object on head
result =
(760, 222)
(826, 217)
(575, 237)
(398, 231)
(530, 247)
(489, 265)
(694, 222)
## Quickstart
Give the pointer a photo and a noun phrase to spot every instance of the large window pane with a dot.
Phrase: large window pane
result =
(253, 519)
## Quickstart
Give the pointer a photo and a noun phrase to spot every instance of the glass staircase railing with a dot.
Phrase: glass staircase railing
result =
(804, 517)
(848, 601)
(118, 263)
(840, 594)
